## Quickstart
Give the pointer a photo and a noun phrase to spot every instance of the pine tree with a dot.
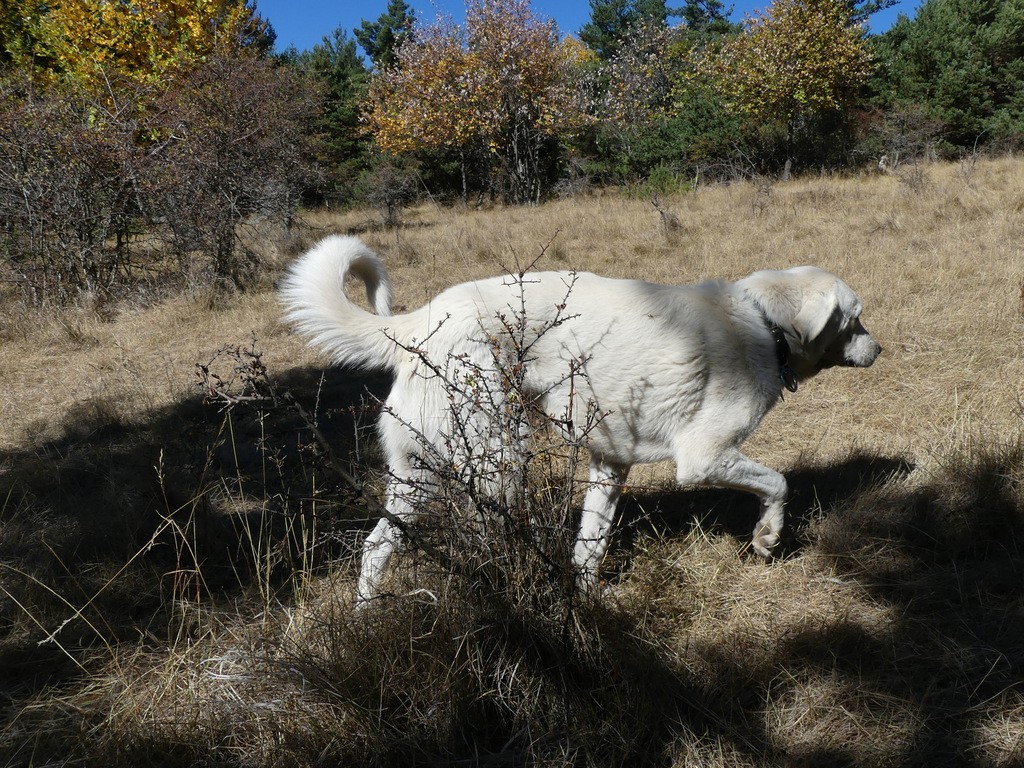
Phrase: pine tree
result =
(963, 61)
(861, 10)
(336, 64)
(611, 22)
(704, 17)
(381, 39)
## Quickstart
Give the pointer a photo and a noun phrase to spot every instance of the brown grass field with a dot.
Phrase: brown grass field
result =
(175, 577)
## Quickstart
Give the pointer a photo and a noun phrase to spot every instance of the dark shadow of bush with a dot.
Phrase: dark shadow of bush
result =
(120, 517)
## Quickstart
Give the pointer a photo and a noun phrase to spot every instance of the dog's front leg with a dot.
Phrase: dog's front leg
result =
(606, 481)
(768, 530)
(734, 470)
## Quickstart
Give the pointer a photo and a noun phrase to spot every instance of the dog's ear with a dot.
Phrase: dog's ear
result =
(818, 310)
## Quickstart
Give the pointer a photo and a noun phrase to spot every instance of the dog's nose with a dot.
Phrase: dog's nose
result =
(875, 353)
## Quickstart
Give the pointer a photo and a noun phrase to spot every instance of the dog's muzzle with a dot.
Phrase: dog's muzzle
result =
(862, 352)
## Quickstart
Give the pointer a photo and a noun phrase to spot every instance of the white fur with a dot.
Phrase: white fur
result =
(676, 372)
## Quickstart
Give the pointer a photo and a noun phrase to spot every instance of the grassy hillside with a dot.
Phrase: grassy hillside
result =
(176, 575)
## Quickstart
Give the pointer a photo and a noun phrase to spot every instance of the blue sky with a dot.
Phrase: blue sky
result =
(303, 23)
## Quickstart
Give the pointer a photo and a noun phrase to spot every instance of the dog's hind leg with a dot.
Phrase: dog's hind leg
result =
(377, 550)
(606, 481)
(382, 541)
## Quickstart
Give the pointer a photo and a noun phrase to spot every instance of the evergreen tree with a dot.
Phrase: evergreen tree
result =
(963, 61)
(382, 38)
(707, 17)
(611, 21)
(335, 63)
(861, 10)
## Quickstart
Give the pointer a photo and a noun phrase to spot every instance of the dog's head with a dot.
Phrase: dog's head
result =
(820, 315)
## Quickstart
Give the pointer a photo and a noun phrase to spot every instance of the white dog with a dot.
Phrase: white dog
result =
(676, 372)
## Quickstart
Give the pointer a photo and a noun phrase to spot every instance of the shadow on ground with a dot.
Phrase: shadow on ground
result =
(813, 489)
(116, 517)
(943, 554)
(938, 679)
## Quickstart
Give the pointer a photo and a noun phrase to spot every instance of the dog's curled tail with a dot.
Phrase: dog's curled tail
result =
(315, 302)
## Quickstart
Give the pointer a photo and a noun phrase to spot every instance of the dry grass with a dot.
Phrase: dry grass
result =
(175, 581)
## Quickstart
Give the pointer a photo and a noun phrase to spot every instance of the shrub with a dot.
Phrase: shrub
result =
(231, 137)
(69, 189)
(82, 173)
(389, 185)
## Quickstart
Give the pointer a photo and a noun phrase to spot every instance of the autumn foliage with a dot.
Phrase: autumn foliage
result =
(506, 106)
(89, 41)
(798, 58)
(142, 117)
(497, 90)
(505, 94)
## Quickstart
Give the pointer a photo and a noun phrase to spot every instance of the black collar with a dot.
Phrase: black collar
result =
(782, 350)
(782, 355)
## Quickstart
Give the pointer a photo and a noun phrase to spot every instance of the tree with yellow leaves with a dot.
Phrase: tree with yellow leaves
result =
(797, 60)
(89, 40)
(19, 28)
(501, 90)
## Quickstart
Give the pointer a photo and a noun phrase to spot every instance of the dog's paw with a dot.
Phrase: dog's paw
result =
(764, 542)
